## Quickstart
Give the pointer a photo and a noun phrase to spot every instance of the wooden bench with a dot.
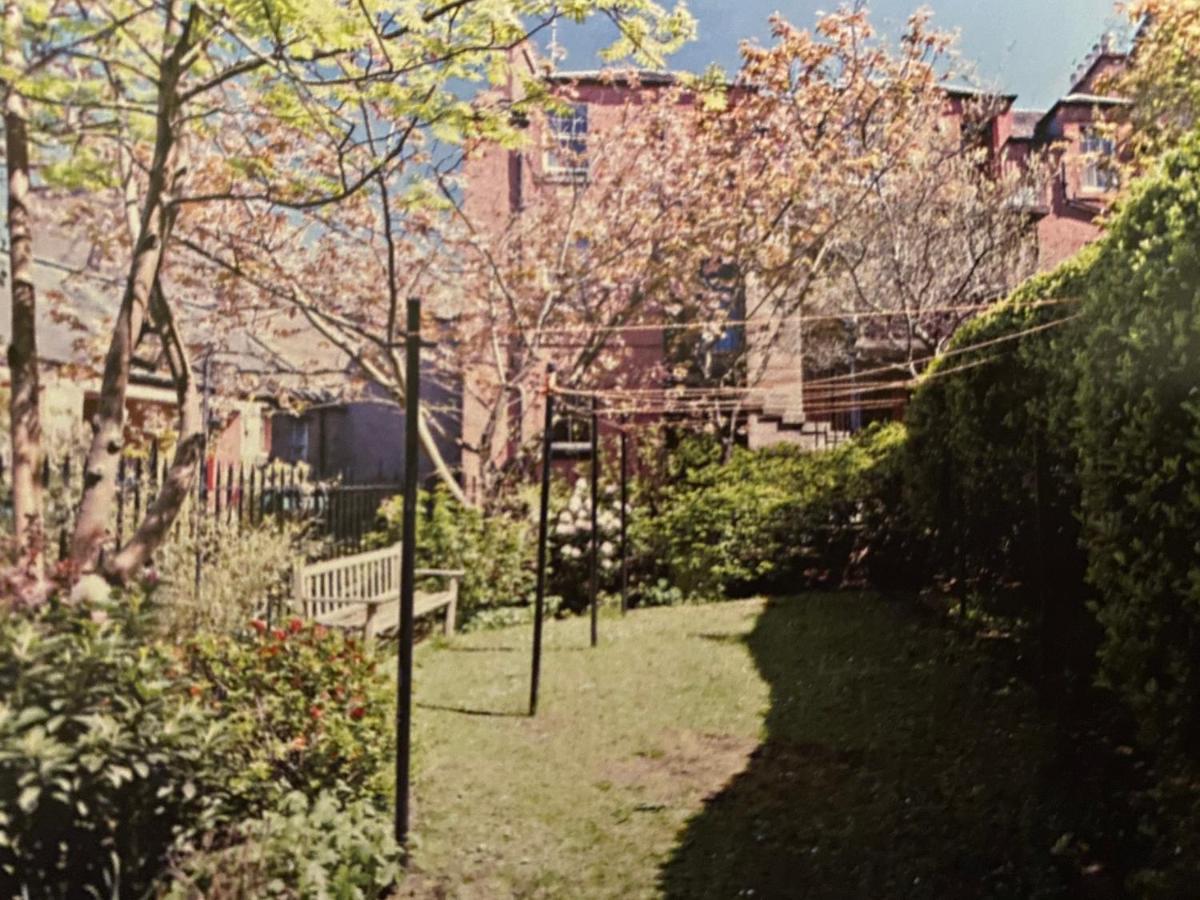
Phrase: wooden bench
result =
(363, 592)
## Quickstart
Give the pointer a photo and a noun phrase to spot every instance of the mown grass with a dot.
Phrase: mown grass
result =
(820, 746)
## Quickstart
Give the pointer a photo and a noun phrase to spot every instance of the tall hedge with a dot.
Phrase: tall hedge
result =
(1139, 448)
(990, 429)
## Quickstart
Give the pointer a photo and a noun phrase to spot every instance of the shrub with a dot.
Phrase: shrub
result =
(983, 441)
(570, 542)
(1139, 447)
(106, 762)
(322, 848)
(891, 550)
(119, 751)
(308, 709)
(244, 568)
(496, 552)
(770, 519)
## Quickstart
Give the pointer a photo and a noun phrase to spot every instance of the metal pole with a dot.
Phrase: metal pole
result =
(624, 521)
(408, 549)
(594, 584)
(543, 528)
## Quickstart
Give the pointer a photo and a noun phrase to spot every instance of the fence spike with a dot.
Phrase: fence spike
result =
(137, 491)
(121, 501)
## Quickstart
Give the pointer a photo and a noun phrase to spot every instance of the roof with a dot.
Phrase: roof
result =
(1025, 122)
(90, 299)
(1091, 100)
(615, 76)
(966, 90)
(1044, 125)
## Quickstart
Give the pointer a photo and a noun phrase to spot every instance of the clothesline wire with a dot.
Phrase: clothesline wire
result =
(722, 323)
(702, 407)
(683, 393)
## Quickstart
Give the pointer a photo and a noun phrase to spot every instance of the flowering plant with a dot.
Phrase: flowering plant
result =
(309, 704)
(570, 543)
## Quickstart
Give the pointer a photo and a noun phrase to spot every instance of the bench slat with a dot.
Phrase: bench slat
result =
(361, 591)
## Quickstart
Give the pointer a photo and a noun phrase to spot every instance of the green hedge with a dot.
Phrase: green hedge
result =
(1139, 449)
(1105, 412)
(985, 439)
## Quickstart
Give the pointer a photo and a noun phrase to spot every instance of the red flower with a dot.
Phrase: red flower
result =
(315, 711)
(357, 713)
(259, 625)
(295, 625)
(278, 634)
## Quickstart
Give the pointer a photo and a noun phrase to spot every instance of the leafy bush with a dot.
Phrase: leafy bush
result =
(892, 549)
(243, 569)
(570, 542)
(106, 761)
(1139, 448)
(496, 552)
(765, 520)
(322, 848)
(119, 751)
(308, 709)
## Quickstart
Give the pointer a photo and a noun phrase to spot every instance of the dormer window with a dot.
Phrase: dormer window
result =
(566, 156)
(1100, 161)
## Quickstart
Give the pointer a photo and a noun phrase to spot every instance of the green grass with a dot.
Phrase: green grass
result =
(821, 746)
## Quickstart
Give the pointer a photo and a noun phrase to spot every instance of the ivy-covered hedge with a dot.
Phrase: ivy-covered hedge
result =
(991, 429)
(1139, 449)
(1103, 415)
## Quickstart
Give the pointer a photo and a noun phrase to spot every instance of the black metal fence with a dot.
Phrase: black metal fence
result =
(239, 496)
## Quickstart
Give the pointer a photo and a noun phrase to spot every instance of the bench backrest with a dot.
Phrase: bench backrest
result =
(323, 586)
(373, 577)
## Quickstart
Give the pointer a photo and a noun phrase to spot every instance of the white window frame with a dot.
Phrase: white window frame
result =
(1099, 152)
(567, 153)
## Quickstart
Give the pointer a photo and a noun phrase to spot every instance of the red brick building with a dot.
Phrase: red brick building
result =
(1066, 209)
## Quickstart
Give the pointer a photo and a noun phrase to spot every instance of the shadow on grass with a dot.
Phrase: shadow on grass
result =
(890, 768)
(465, 711)
(452, 648)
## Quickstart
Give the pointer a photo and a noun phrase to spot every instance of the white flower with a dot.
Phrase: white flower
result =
(91, 589)
(607, 549)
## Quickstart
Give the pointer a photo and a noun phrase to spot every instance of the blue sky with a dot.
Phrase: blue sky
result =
(1026, 47)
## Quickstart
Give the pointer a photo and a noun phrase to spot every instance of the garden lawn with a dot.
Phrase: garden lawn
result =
(817, 746)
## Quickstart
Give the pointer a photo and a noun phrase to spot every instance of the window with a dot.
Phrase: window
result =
(567, 154)
(724, 278)
(1100, 156)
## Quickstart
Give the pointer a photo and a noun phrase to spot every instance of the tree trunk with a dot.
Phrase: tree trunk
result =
(26, 429)
(177, 484)
(100, 472)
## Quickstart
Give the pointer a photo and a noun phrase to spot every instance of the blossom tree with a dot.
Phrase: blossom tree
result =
(1162, 80)
(168, 114)
(819, 179)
